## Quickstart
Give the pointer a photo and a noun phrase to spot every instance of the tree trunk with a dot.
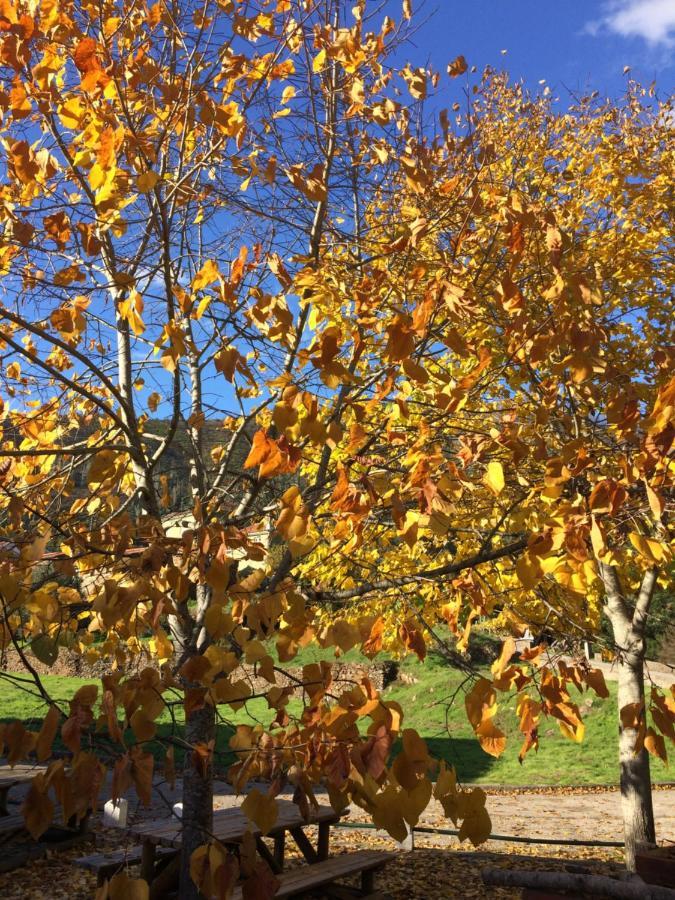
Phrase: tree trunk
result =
(577, 884)
(628, 624)
(200, 728)
(635, 778)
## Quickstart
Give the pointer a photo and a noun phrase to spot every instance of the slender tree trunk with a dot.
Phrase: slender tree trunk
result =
(628, 624)
(635, 778)
(200, 728)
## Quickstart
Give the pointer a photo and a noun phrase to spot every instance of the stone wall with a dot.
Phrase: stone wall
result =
(345, 675)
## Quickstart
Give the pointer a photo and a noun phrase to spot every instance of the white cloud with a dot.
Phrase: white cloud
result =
(652, 20)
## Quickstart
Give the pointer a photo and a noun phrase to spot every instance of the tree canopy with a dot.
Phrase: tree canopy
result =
(430, 353)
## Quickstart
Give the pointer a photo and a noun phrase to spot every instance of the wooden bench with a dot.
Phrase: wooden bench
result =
(321, 874)
(108, 864)
(11, 825)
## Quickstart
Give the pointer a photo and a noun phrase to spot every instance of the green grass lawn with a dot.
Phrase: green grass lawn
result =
(426, 704)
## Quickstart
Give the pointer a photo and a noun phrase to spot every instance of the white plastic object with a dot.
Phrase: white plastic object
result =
(115, 814)
(178, 810)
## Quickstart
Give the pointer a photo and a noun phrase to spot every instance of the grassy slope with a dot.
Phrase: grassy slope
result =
(425, 702)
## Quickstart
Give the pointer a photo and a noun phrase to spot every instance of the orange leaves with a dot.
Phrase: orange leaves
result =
(528, 711)
(214, 870)
(272, 457)
(38, 809)
(23, 161)
(608, 496)
(81, 716)
(412, 639)
(312, 184)
(85, 55)
(373, 643)
(229, 360)
(48, 730)
(457, 67)
(400, 338)
(481, 707)
(596, 680)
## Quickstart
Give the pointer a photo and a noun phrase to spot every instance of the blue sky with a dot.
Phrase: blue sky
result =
(578, 44)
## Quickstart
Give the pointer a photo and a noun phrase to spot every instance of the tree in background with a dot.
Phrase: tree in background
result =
(421, 344)
(549, 366)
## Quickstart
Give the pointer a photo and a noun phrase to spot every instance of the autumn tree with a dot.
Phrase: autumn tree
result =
(186, 243)
(420, 340)
(538, 264)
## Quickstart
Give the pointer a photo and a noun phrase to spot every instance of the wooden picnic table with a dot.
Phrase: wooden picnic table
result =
(12, 776)
(229, 827)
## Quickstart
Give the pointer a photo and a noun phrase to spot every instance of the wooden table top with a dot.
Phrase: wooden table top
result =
(20, 774)
(230, 825)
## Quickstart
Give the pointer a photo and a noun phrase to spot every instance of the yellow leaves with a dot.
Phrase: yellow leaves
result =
(103, 172)
(319, 61)
(465, 806)
(130, 310)
(229, 360)
(146, 181)
(123, 887)
(494, 477)
(416, 79)
(207, 275)
(663, 412)
(662, 710)
(260, 809)
(160, 645)
(654, 552)
(105, 467)
(19, 102)
(458, 66)
(529, 570)
(174, 336)
(293, 519)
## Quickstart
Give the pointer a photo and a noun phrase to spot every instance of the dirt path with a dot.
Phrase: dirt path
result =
(577, 815)
(438, 869)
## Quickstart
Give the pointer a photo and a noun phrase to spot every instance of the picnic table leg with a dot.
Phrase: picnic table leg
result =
(266, 855)
(4, 792)
(280, 849)
(323, 843)
(148, 861)
(368, 881)
(304, 844)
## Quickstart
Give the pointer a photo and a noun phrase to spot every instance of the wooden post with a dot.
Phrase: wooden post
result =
(280, 849)
(323, 843)
(148, 861)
